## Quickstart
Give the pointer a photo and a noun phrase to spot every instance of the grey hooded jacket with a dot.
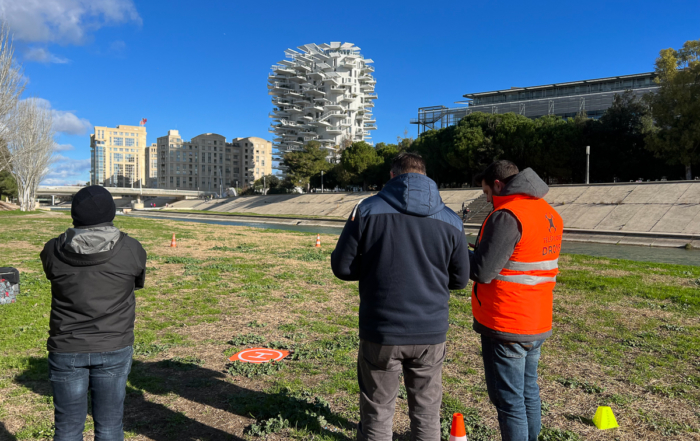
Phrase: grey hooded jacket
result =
(501, 232)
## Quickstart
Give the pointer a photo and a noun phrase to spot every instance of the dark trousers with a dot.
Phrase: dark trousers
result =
(378, 371)
(511, 379)
(104, 374)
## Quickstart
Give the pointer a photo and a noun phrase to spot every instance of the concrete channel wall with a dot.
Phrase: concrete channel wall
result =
(654, 213)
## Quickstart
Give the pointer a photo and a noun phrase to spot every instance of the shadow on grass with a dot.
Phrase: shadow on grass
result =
(580, 419)
(5, 435)
(272, 411)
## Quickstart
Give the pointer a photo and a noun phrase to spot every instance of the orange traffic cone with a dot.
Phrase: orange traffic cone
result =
(173, 242)
(458, 433)
(318, 241)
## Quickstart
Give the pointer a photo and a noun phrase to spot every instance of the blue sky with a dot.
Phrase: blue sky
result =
(202, 66)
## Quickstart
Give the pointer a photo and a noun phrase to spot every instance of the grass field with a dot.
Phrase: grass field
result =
(625, 335)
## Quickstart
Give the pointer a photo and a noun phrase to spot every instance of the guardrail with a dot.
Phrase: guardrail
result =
(70, 190)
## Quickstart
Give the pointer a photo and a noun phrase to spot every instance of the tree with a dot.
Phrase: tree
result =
(30, 145)
(304, 164)
(359, 160)
(12, 84)
(675, 108)
(267, 182)
(8, 186)
(380, 172)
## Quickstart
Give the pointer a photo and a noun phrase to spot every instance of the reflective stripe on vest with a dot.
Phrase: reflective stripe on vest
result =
(532, 266)
(524, 279)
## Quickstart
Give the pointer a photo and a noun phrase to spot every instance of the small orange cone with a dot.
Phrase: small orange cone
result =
(318, 241)
(173, 242)
(458, 433)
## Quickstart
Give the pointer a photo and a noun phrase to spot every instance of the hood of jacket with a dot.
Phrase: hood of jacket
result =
(526, 182)
(414, 194)
(88, 245)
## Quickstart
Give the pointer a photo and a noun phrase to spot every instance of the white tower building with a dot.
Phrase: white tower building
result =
(323, 93)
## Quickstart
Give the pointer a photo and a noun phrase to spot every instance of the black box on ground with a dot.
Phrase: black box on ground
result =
(9, 285)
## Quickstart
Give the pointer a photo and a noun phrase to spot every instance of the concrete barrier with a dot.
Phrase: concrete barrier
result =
(667, 213)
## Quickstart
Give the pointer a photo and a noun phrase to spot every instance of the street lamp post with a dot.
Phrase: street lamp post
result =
(321, 181)
(588, 162)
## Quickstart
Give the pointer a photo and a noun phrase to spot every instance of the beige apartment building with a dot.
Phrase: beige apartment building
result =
(208, 163)
(118, 156)
(152, 166)
(252, 159)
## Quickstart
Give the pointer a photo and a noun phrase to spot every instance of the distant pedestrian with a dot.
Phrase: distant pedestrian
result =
(408, 250)
(94, 269)
(514, 267)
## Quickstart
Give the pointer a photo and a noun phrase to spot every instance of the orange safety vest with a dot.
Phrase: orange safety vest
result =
(519, 299)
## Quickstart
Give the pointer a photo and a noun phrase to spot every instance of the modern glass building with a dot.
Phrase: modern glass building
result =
(591, 97)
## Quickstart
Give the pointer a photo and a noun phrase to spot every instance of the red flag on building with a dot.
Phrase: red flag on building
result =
(143, 122)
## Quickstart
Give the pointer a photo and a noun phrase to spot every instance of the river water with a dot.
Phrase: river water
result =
(678, 256)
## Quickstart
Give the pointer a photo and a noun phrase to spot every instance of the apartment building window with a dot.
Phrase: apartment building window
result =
(129, 142)
(118, 157)
(203, 168)
(118, 141)
(178, 182)
(171, 180)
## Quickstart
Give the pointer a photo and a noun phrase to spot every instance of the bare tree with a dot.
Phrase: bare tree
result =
(31, 146)
(12, 84)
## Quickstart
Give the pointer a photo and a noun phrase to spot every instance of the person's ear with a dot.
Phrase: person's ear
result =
(391, 174)
(497, 187)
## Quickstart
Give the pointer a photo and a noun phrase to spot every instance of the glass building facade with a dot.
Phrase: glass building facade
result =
(591, 97)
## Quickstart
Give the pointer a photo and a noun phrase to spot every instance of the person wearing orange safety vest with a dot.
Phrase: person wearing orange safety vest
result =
(514, 267)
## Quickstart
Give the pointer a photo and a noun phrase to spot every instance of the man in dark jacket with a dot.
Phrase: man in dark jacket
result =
(514, 268)
(94, 269)
(408, 251)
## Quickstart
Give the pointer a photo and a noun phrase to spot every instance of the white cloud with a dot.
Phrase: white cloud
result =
(42, 55)
(64, 21)
(117, 46)
(68, 171)
(65, 121)
(63, 147)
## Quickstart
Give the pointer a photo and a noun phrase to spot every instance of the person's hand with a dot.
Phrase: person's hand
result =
(472, 245)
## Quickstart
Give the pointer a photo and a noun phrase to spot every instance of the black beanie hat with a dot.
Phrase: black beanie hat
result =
(91, 206)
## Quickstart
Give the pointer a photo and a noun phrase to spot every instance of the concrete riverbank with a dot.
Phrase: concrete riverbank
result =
(651, 214)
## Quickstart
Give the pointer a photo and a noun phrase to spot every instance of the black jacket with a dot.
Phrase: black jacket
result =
(408, 251)
(93, 272)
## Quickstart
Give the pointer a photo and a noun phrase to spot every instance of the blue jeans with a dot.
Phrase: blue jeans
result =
(511, 380)
(104, 374)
